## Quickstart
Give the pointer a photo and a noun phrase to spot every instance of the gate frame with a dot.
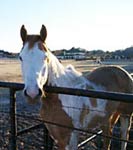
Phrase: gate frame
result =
(128, 98)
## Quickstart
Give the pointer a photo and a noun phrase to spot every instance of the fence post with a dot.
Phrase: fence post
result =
(99, 142)
(13, 132)
(48, 141)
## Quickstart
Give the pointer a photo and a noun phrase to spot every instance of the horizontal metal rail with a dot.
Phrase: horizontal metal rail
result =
(40, 125)
(114, 96)
(76, 129)
(89, 139)
(123, 97)
(12, 85)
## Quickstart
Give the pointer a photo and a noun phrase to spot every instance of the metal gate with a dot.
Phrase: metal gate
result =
(13, 133)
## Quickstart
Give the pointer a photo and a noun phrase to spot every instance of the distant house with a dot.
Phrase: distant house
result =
(70, 54)
(2, 54)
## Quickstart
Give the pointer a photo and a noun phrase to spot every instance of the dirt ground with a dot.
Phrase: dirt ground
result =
(10, 70)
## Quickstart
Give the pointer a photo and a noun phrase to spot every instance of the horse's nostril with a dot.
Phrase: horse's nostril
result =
(40, 92)
(25, 93)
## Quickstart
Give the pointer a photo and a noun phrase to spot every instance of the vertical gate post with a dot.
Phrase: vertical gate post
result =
(13, 132)
(99, 142)
(48, 141)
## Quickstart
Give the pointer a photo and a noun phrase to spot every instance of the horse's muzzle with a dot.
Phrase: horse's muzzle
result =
(33, 96)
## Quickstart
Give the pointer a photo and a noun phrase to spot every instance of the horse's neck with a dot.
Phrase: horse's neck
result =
(60, 76)
(55, 69)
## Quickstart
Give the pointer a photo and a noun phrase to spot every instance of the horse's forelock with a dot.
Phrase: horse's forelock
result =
(32, 39)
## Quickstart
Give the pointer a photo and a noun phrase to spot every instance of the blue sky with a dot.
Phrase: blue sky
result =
(89, 24)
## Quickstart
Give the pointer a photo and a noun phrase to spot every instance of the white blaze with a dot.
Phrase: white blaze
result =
(34, 69)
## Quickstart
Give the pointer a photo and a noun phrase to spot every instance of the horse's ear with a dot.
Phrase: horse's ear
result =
(23, 33)
(43, 33)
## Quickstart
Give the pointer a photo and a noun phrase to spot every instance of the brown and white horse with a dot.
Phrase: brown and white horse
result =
(40, 67)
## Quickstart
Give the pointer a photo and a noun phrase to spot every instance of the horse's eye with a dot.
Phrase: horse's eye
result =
(20, 58)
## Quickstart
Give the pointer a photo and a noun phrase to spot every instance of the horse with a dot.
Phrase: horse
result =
(40, 67)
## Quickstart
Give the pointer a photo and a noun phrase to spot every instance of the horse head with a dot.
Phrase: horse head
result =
(34, 63)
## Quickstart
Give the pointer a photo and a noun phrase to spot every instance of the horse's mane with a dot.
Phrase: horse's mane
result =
(68, 73)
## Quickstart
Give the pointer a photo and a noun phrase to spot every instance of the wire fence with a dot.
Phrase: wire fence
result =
(21, 127)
